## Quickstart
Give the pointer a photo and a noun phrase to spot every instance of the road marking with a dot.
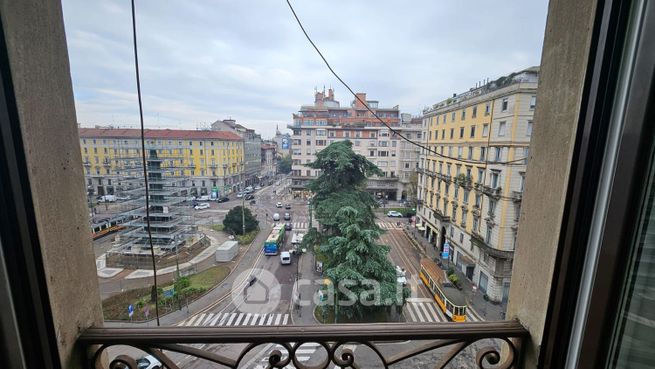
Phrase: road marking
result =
(286, 319)
(427, 313)
(277, 319)
(411, 312)
(436, 312)
(263, 319)
(270, 318)
(208, 319)
(198, 320)
(254, 319)
(232, 316)
(224, 318)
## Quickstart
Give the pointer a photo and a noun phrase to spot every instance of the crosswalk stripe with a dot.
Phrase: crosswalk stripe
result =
(208, 319)
(433, 309)
(245, 321)
(241, 315)
(427, 313)
(199, 320)
(216, 318)
(232, 316)
(190, 321)
(263, 319)
(286, 319)
(254, 319)
(223, 319)
(270, 319)
(411, 312)
(277, 319)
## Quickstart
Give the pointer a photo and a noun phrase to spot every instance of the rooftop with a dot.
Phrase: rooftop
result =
(158, 133)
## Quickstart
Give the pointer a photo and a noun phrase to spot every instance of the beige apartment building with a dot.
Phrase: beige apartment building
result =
(318, 125)
(471, 179)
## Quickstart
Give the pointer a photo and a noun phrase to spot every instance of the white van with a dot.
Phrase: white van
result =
(285, 258)
(276, 217)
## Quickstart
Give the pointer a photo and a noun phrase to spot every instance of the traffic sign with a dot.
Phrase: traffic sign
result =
(130, 310)
(446, 250)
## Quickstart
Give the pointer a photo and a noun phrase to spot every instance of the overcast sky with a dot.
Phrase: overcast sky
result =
(202, 61)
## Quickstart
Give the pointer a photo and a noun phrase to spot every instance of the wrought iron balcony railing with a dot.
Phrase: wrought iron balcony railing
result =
(477, 345)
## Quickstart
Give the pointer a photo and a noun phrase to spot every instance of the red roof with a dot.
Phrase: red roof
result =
(158, 133)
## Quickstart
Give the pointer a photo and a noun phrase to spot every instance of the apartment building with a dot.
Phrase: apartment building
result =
(269, 162)
(325, 121)
(252, 143)
(471, 179)
(211, 160)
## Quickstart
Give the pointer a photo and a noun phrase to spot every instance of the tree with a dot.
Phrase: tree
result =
(342, 181)
(356, 261)
(233, 224)
(347, 240)
(284, 165)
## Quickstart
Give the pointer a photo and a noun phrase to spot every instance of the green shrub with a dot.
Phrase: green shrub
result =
(247, 238)
(182, 283)
(218, 227)
(453, 279)
(451, 271)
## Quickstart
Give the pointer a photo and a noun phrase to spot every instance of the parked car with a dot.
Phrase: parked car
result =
(240, 194)
(257, 188)
(276, 217)
(148, 362)
(203, 205)
(288, 226)
(287, 216)
(249, 197)
(278, 205)
(253, 202)
(204, 198)
(394, 214)
(285, 258)
(106, 198)
(287, 206)
(222, 199)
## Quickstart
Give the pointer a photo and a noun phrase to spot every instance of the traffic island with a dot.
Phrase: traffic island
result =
(324, 314)
(172, 296)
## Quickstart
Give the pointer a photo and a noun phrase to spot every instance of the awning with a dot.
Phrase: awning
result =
(420, 228)
(463, 259)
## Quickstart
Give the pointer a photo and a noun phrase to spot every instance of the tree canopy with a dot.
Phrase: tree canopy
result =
(233, 224)
(284, 165)
(348, 235)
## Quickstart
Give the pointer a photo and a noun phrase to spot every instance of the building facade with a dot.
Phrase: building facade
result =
(471, 180)
(252, 148)
(319, 125)
(283, 142)
(211, 160)
(269, 160)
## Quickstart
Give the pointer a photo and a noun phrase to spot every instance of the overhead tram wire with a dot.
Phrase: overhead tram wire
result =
(427, 148)
(143, 160)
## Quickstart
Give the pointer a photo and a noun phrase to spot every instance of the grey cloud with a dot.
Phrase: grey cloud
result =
(207, 60)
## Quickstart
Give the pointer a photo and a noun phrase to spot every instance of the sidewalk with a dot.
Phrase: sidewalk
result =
(305, 316)
(486, 310)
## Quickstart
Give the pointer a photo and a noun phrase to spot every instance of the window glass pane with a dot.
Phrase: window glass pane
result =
(634, 341)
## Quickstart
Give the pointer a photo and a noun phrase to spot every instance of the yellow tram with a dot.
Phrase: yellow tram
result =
(451, 300)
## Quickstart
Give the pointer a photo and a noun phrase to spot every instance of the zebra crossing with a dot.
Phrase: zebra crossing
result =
(424, 312)
(300, 225)
(389, 225)
(234, 319)
(427, 311)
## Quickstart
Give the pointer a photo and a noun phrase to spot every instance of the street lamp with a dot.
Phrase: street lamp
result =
(243, 208)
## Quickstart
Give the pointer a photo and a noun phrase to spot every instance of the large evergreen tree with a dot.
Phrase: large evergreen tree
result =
(348, 233)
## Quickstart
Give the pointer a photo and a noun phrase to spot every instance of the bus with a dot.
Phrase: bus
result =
(451, 300)
(274, 241)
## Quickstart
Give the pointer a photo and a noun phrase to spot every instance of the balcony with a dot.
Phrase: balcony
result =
(478, 241)
(517, 196)
(491, 191)
(440, 216)
(339, 342)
